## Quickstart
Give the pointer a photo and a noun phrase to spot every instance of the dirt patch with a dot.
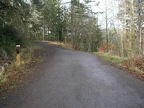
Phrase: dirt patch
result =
(58, 44)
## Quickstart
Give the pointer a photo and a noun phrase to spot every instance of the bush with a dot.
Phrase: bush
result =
(9, 37)
(52, 38)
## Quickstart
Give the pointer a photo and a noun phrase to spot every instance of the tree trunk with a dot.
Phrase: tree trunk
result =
(139, 29)
(107, 40)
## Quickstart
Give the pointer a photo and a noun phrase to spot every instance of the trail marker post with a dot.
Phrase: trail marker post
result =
(65, 40)
(18, 62)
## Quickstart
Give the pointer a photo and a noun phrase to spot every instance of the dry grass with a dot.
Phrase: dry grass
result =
(59, 44)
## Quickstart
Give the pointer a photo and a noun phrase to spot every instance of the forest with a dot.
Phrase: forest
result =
(23, 21)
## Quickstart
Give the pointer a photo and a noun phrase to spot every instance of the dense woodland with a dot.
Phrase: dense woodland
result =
(51, 20)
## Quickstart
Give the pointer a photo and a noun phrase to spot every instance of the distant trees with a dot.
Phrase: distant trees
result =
(83, 30)
(54, 19)
(50, 19)
(77, 23)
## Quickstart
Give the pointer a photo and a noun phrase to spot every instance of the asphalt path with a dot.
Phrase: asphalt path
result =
(74, 79)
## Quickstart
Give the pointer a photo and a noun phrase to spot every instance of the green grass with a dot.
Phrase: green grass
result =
(107, 57)
(122, 62)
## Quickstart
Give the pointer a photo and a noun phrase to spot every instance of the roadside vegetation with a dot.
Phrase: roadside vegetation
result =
(135, 66)
(14, 75)
(108, 57)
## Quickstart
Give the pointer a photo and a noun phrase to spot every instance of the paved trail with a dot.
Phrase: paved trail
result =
(74, 79)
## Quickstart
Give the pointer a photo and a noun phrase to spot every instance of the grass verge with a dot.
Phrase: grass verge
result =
(134, 66)
(112, 59)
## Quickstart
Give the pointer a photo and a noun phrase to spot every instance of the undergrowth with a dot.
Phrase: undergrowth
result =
(14, 75)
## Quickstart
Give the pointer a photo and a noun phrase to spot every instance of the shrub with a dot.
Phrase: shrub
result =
(9, 37)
